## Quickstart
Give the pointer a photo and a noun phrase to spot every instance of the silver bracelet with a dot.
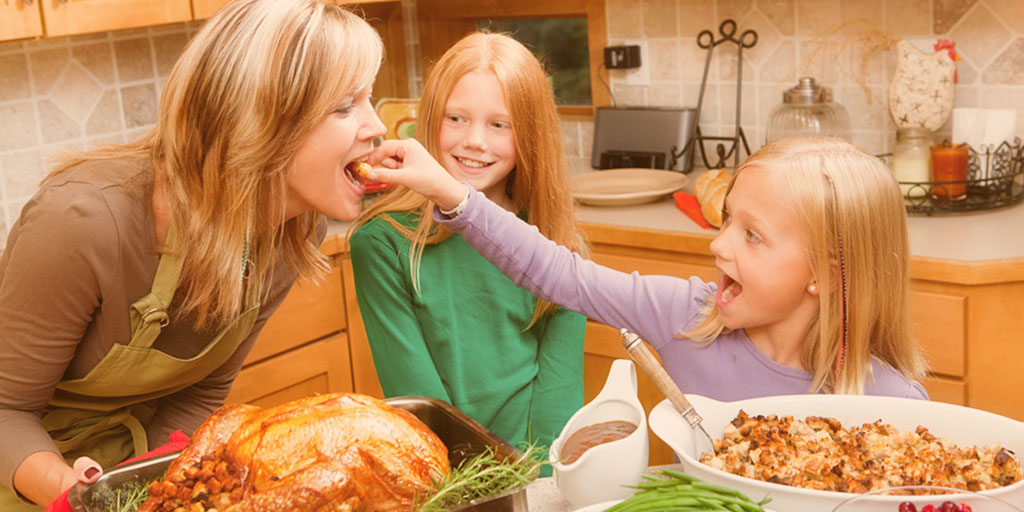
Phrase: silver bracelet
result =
(459, 208)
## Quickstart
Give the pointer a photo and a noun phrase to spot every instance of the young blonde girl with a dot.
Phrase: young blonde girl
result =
(441, 320)
(813, 265)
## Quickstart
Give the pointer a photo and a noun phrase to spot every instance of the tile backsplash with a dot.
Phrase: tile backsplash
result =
(73, 93)
(793, 41)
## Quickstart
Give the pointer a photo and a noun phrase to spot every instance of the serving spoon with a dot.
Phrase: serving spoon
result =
(641, 353)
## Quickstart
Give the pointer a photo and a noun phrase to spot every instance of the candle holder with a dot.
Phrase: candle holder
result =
(994, 179)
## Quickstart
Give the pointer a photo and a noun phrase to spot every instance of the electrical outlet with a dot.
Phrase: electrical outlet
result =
(622, 57)
(640, 75)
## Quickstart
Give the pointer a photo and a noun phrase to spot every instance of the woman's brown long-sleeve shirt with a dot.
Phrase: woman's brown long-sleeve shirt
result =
(82, 251)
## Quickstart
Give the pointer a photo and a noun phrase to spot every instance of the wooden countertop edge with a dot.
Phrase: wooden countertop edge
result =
(967, 272)
(928, 269)
(646, 238)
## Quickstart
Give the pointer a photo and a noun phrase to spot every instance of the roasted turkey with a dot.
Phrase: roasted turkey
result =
(336, 452)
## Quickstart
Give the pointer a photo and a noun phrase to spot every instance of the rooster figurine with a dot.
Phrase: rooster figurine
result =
(921, 93)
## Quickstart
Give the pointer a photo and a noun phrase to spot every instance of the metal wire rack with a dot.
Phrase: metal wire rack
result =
(995, 178)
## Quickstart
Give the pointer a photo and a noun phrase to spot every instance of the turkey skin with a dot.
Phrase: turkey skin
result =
(340, 452)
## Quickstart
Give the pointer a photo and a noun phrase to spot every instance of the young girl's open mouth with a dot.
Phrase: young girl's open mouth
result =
(728, 290)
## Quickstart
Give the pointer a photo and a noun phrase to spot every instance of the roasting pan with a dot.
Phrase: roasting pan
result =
(464, 437)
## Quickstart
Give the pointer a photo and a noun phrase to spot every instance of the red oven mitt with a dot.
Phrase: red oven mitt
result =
(176, 441)
(688, 204)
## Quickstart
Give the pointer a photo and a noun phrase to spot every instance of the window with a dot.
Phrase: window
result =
(442, 22)
(561, 46)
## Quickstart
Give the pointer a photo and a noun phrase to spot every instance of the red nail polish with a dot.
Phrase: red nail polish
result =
(89, 473)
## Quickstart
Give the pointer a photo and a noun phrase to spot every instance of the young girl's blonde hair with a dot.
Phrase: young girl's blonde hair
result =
(249, 88)
(851, 213)
(539, 184)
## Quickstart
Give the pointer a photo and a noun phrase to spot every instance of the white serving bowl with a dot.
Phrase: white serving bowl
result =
(962, 425)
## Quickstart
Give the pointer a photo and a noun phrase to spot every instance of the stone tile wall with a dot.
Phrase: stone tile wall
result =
(989, 35)
(73, 93)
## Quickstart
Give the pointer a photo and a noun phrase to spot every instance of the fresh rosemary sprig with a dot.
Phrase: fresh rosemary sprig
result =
(482, 475)
(129, 498)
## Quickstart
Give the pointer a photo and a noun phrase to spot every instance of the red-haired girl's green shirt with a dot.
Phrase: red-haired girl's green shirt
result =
(463, 337)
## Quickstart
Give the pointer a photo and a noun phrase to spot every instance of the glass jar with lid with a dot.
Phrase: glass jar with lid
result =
(912, 160)
(807, 110)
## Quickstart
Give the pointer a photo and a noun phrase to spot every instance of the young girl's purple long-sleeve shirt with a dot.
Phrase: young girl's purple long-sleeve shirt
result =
(654, 307)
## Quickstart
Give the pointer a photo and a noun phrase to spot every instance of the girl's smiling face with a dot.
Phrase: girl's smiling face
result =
(476, 138)
(762, 259)
(318, 179)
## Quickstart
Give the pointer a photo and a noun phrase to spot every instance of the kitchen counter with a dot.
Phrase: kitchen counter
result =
(969, 237)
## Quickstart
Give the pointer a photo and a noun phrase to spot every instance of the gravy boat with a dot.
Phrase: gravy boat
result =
(601, 473)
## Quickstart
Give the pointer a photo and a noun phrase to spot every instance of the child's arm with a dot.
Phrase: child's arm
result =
(655, 307)
(404, 365)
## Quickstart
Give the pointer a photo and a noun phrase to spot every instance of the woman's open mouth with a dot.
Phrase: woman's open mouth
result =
(356, 172)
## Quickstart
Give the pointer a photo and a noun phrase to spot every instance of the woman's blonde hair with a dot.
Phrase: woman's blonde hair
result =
(538, 185)
(851, 213)
(249, 88)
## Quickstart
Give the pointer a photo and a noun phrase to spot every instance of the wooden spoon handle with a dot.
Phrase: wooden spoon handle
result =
(646, 360)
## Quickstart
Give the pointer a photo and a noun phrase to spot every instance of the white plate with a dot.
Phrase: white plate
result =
(598, 507)
(962, 425)
(618, 187)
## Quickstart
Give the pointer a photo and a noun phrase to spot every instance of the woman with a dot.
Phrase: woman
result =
(137, 279)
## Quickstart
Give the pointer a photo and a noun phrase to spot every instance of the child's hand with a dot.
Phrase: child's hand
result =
(410, 164)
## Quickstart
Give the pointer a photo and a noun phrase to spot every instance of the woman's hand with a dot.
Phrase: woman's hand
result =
(43, 476)
(84, 470)
(410, 164)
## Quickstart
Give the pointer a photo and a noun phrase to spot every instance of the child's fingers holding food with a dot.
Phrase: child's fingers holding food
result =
(417, 170)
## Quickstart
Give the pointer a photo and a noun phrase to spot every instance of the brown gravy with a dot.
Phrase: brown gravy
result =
(593, 435)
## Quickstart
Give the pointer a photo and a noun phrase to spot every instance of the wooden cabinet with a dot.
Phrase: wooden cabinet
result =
(647, 252)
(314, 343)
(304, 347)
(202, 9)
(364, 373)
(967, 317)
(66, 17)
(20, 19)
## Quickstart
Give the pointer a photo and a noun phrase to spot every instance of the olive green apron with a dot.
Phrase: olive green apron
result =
(102, 414)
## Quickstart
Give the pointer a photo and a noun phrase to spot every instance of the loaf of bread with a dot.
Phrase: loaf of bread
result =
(710, 191)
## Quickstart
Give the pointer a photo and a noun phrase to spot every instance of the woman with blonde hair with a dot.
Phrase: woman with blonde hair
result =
(813, 275)
(441, 320)
(136, 280)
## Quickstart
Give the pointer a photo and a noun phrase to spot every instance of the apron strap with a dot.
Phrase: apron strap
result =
(149, 314)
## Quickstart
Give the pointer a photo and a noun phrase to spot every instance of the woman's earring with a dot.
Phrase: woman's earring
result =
(812, 288)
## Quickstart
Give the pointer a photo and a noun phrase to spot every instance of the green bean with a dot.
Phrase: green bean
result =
(679, 475)
(712, 504)
(719, 489)
(658, 505)
(674, 490)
